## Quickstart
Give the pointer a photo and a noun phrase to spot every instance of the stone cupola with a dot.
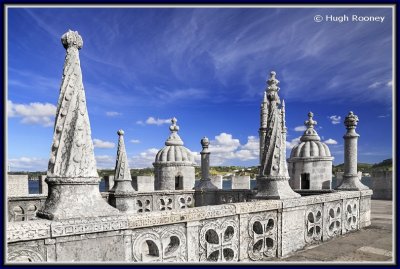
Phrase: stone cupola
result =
(310, 162)
(174, 164)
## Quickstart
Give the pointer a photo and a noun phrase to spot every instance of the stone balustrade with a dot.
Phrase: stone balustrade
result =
(247, 231)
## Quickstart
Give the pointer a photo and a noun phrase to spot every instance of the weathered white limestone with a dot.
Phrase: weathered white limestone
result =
(43, 187)
(382, 185)
(217, 181)
(205, 181)
(350, 176)
(122, 180)
(272, 182)
(109, 182)
(310, 162)
(247, 231)
(72, 174)
(241, 182)
(174, 164)
(143, 183)
(17, 185)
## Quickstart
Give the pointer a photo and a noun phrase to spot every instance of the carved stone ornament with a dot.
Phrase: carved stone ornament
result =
(160, 244)
(219, 240)
(262, 231)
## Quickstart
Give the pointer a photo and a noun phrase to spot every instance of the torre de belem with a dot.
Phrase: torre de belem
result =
(292, 207)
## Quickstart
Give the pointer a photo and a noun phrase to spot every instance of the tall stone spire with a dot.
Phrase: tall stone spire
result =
(350, 177)
(272, 182)
(72, 173)
(122, 177)
(121, 193)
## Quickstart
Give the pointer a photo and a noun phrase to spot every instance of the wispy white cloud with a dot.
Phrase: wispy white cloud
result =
(301, 128)
(105, 162)
(330, 141)
(135, 141)
(98, 143)
(143, 159)
(377, 84)
(28, 164)
(384, 116)
(113, 113)
(154, 121)
(292, 143)
(335, 119)
(32, 113)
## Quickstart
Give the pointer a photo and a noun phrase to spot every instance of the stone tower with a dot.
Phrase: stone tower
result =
(350, 177)
(72, 174)
(174, 164)
(310, 162)
(272, 181)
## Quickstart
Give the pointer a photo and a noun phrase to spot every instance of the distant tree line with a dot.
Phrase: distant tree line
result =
(251, 171)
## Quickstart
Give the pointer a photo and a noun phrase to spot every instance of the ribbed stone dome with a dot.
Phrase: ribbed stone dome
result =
(310, 145)
(174, 154)
(310, 149)
(174, 151)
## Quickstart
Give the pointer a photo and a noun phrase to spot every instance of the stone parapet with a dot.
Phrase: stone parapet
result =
(194, 234)
(17, 185)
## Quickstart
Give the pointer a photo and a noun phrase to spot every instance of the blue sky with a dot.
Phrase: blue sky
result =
(208, 68)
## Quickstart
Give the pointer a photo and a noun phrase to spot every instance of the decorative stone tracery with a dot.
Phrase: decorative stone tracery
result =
(350, 215)
(333, 220)
(160, 244)
(313, 219)
(219, 240)
(263, 236)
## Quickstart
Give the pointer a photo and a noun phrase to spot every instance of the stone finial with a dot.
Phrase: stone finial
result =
(120, 132)
(310, 134)
(351, 121)
(205, 143)
(174, 127)
(273, 89)
(72, 39)
(174, 139)
(310, 123)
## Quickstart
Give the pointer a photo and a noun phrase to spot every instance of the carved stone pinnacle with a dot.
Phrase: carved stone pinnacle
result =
(72, 39)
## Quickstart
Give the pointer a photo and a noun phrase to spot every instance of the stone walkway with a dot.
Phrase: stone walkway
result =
(369, 245)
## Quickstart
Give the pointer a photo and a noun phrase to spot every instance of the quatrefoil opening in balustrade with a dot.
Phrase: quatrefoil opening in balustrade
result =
(165, 204)
(263, 239)
(143, 206)
(185, 202)
(351, 214)
(314, 226)
(150, 250)
(218, 245)
(334, 220)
